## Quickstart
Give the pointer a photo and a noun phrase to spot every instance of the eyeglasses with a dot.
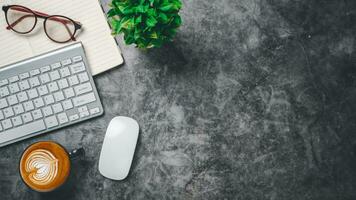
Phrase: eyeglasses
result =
(23, 20)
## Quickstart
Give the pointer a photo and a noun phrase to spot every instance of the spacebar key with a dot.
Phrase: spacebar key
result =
(22, 131)
(84, 99)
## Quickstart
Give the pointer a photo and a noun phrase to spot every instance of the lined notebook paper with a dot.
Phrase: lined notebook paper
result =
(100, 46)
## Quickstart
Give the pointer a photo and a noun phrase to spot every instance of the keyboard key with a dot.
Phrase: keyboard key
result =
(22, 96)
(18, 109)
(27, 117)
(42, 90)
(24, 85)
(63, 83)
(57, 108)
(54, 75)
(62, 118)
(84, 99)
(8, 112)
(84, 114)
(24, 75)
(13, 79)
(45, 78)
(45, 69)
(3, 103)
(66, 62)
(49, 99)
(14, 88)
(35, 72)
(69, 92)
(58, 96)
(16, 121)
(6, 124)
(77, 59)
(37, 114)
(94, 111)
(23, 130)
(34, 82)
(51, 121)
(12, 100)
(67, 104)
(32, 93)
(4, 82)
(52, 87)
(1, 115)
(29, 106)
(83, 88)
(4, 91)
(38, 102)
(82, 109)
(65, 72)
(78, 67)
(56, 65)
(73, 80)
(74, 117)
(83, 77)
(47, 111)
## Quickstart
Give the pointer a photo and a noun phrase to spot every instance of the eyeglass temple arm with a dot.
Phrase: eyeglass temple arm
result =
(63, 21)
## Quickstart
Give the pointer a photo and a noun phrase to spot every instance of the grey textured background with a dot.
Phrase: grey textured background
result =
(255, 99)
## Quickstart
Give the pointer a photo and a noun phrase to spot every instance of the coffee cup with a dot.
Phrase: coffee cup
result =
(46, 165)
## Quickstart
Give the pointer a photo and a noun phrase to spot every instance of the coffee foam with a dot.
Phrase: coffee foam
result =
(41, 166)
(44, 166)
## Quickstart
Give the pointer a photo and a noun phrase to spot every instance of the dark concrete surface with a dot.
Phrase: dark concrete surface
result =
(255, 99)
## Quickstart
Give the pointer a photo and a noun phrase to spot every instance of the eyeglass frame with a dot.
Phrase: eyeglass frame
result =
(36, 14)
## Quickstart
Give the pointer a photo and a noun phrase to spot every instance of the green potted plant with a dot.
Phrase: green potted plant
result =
(146, 23)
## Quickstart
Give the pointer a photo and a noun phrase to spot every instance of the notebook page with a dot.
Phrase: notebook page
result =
(100, 47)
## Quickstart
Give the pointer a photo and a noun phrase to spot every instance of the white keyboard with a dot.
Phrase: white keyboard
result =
(45, 93)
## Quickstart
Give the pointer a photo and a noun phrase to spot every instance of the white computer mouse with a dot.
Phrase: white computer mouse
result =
(118, 148)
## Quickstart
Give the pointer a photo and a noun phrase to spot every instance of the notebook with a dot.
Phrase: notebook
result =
(100, 46)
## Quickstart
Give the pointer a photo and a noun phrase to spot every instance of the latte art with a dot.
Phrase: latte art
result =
(41, 166)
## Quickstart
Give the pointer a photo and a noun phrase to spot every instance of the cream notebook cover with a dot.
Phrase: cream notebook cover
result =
(100, 46)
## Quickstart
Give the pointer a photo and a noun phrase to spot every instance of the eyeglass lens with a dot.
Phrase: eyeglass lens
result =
(21, 19)
(59, 28)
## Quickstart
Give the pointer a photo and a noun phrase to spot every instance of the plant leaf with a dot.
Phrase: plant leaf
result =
(151, 22)
(178, 20)
(163, 18)
(141, 9)
(177, 4)
(126, 10)
(153, 35)
(138, 20)
(126, 23)
(111, 13)
(114, 25)
(166, 7)
(137, 33)
(129, 39)
(152, 12)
